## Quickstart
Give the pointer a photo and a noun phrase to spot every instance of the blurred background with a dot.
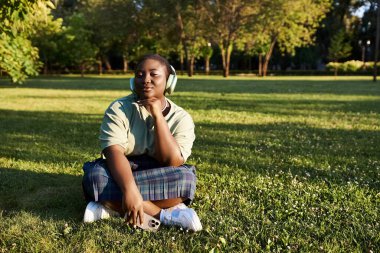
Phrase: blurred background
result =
(269, 37)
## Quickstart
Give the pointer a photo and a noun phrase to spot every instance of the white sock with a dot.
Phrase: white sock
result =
(168, 211)
(163, 213)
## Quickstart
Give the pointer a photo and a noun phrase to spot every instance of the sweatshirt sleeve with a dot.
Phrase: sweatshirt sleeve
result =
(115, 126)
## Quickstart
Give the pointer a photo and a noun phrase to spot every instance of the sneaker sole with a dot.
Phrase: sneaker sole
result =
(89, 215)
(195, 222)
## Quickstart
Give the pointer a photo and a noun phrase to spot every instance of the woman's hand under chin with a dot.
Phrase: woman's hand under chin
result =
(153, 105)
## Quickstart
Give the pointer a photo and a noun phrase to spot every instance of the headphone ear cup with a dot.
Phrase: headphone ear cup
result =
(132, 84)
(172, 81)
(170, 85)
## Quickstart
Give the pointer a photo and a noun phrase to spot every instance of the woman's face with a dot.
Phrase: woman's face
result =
(150, 79)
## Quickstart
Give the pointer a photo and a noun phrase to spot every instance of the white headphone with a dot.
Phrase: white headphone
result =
(170, 84)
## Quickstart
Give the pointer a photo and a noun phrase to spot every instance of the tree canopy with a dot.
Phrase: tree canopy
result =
(19, 21)
(71, 35)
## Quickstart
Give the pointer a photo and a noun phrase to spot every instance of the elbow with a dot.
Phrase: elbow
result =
(175, 161)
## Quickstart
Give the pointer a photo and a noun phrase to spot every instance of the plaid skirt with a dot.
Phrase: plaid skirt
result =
(154, 182)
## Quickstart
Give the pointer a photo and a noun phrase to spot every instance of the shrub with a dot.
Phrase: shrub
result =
(352, 66)
(331, 66)
(349, 66)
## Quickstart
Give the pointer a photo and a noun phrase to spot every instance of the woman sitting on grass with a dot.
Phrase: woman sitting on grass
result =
(145, 140)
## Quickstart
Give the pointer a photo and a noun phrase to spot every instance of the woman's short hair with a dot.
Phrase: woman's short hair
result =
(156, 57)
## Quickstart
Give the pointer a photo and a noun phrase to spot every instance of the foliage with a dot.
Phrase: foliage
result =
(192, 30)
(176, 27)
(227, 22)
(291, 24)
(12, 11)
(297, 27)
(339, 47)
(18, 57)
(341, 17)
(117, 26)
(350, 66)
(77, 46)
(206, 52)
(46, 35)
(284, 165)
(19, 19)
(129, 29)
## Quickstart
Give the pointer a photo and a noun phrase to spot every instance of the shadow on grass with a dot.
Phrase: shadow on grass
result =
(302, 107)
(346, 87)
(48, 136)
(58, 143)
(55, 196)
(332, 155)
(67, 140)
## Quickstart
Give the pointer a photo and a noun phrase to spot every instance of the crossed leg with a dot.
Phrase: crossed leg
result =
(152, 208)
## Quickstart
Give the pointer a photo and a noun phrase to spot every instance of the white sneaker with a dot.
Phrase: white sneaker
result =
(185, 218)
(96, 211)
(179, 206)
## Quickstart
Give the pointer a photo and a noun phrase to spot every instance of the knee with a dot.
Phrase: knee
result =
(95, 173)
(187, 173)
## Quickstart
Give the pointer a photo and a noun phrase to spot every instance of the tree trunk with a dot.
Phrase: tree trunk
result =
(46, 70)
(207, 65)
(226, 56)
(181, 35)
(107, 63)
(260, 64)
(125, 64)
(223, 52)
(82, 70)
(190, 66)
(100, 66)
(336, 71)
(377, 41)
(181, 61)
(267, 57)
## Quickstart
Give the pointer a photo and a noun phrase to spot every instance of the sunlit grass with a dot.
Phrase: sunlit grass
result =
(284, 164)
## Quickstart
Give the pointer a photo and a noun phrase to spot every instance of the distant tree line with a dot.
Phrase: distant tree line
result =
(70, 35)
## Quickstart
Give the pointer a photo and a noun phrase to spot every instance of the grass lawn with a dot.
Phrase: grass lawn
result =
(284, 164)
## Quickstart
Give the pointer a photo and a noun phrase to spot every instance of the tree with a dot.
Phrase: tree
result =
(206, 52)
(256, 43)
(46, 36)
(18, 57)
(114, 28)
(77, 46)
(190, 28)
(181, 23)
(13, 12)
(226, 22)
(340, 17)
(291, 24)
(339, 48)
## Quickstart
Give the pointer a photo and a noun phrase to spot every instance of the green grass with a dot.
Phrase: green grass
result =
(284, 164)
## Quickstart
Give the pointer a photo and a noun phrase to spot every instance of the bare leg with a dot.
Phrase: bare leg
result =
(152, 208)
(167, 203)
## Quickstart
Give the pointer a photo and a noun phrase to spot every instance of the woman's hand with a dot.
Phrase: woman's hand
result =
(153, 105)
(118, 164)
(167, 150)
(132, 204)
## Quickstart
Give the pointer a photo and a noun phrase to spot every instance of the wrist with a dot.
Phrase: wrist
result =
(157, 116)
(128, 186)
